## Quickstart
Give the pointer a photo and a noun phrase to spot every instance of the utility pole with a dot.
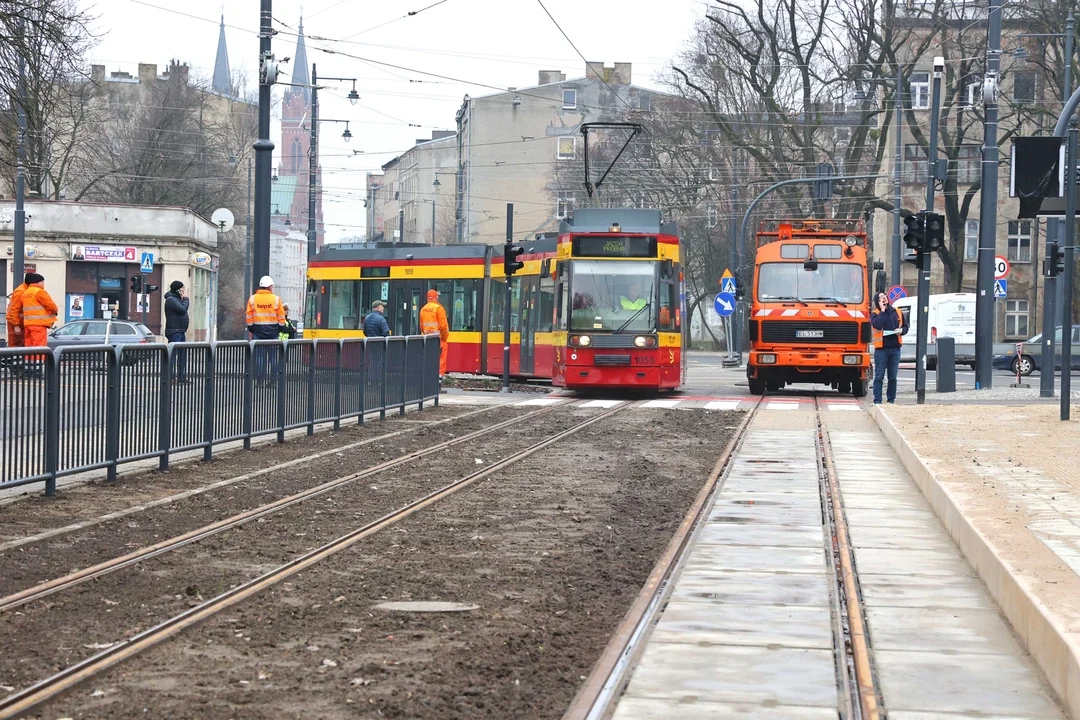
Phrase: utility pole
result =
(433, 222)
(247, 239)
(925, 258)
(733, 263)
(313, 163)
(1059, 294)
(264, 148)
(507, 256)
(984, 283)
(1070, 257)
(897, 241)
(19, 266)
(401, 225)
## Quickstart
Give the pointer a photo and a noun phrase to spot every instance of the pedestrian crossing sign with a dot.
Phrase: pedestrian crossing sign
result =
(727, 283)
(1001, 288)
(147, 265)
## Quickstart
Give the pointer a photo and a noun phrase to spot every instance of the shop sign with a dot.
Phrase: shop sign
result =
(27, 267)
(200, 259)
(104, 253)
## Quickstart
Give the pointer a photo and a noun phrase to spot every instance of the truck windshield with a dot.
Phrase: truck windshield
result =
(609, 294)
(831, 282)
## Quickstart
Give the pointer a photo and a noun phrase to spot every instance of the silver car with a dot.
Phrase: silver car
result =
(92, 332)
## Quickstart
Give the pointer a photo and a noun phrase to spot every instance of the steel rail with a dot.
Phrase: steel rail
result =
(23, 700)
(66, 582)
(609, 673)
(117, 514)
(863, 686)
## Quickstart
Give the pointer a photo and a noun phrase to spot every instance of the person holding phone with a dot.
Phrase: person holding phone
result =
(889, 328)
(176, 325)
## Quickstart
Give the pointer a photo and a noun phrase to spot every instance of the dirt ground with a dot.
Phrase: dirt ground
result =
(135, 598)
(1014, 472)
(553, 550)
(34, 512)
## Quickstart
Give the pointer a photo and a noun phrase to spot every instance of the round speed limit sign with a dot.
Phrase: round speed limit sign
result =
(1001, 267)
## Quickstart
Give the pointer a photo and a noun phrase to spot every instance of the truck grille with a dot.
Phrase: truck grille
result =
(787, 331)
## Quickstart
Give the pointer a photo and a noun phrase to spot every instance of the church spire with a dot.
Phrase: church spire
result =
(301, 74)
(222, 76)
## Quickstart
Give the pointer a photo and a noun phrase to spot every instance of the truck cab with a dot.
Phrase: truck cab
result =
(810, 306)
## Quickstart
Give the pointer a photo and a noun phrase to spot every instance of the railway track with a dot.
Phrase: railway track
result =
(860, 696)
(23, 700)
(142, 507)
(43, 590)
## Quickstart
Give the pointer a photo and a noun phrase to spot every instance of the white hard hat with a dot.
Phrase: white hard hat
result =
(266, 281)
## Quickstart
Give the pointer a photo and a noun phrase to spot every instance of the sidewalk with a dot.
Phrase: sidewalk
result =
(1006, 483)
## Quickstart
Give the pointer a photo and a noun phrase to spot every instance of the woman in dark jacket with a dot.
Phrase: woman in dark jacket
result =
(176, 325)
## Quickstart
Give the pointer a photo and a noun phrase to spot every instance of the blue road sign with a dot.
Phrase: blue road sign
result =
(147, 265)
(727, 285)
(1001, 288)
(896, 293)
(724, 304)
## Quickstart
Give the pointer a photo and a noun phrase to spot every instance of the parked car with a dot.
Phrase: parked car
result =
(92, 332)
(1029, 361)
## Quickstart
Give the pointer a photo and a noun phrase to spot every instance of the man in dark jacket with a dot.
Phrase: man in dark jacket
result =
(375, 324)
(889, 328)
(176, 325)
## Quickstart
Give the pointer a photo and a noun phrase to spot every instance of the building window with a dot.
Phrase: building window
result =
(915, 164)
(297, 151)
(567, 147)
(919, 87)
(1019, 241)
(971, 241)
(1024, 88)
(564, 205)
(569, 99)
(968, 164)
(1016, 318)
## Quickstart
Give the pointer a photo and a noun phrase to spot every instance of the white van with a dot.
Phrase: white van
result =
(950, 315)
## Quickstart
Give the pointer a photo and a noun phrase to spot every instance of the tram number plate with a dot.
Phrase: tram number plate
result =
(809, 333)
(645, 360)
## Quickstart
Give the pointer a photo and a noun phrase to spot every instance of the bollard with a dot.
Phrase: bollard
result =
(946, 364)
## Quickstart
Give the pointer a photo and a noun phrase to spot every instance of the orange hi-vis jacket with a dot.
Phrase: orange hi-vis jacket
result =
(433, 320)
(879, 335)
(34, 308)
(265, 313)
(14, 317)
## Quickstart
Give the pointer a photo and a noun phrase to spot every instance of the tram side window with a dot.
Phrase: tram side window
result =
(311, 306)
(668, 303)
(372, 290)
(546, 318)
(497, 305)
(562, 295)
(344, 305)
(462, 308)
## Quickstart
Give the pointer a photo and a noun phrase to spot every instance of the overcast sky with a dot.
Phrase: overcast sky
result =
(486, 44)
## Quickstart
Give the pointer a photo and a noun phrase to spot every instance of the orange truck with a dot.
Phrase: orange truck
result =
(810, 310)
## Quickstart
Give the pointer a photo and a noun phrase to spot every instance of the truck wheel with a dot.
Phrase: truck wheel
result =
(844, 387)
(858, 388)
(1026, 365)
(757, 387)
(773, 385)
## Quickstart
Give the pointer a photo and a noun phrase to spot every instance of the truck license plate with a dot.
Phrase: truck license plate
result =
(809, 333)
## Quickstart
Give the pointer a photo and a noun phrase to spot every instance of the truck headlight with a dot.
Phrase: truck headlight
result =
(852, 359)
(768, 359)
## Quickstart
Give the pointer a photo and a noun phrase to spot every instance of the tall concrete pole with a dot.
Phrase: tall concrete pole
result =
(264, 150)
(313, 163)
(733, 262)
(1070, 258)
(247, 239)
(984, 284)
(925, 258)
(19, 261)
(897, 239)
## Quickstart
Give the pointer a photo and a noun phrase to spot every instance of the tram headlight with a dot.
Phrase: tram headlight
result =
(584, 340)
(767, 359)
(640, 341)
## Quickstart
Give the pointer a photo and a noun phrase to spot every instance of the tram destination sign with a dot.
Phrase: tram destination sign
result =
(628, 246)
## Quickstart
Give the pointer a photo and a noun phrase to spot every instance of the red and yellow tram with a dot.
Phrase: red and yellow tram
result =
(600, 305)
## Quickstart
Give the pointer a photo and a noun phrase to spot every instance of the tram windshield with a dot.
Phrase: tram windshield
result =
(613, 295)
(830, 282)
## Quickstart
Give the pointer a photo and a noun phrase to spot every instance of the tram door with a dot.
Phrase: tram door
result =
(528, 315)
(408, 299)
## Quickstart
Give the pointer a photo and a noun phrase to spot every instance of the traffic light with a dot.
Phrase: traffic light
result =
(934, 231)
(136, 284)
(1054, 264)
(151, 288)
(511, 264)
(915, 233)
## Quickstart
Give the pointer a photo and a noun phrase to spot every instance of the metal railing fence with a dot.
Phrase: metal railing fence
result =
(78, 408)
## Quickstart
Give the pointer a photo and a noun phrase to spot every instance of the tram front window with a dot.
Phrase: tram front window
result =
(612, 295)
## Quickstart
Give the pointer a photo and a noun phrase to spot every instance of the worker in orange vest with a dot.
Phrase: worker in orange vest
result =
(433, 321)
(265, 321)
(38, 313)
(14, 320)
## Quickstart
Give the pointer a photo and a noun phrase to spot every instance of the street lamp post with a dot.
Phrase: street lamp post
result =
(264, 148)
(313, 150)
